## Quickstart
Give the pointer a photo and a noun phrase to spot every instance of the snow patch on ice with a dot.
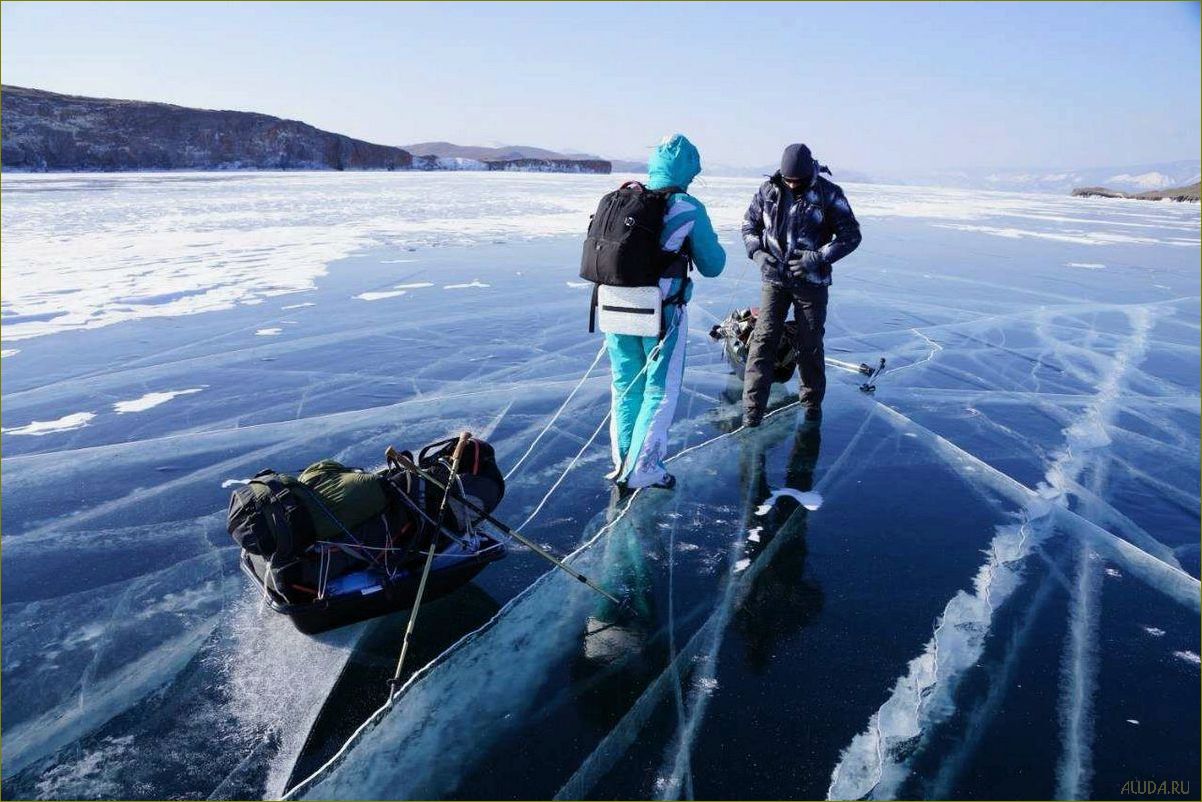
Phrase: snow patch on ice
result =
(228, 483)
(741, 565)
(298, 306)
(1086, 265)
(1188, 656)
(7, 352)
(269, 332)
(1155, 632)
(151, 400)
(66, 423)
(577, 284)
(468, 285)
(415, 285)
(379, 296)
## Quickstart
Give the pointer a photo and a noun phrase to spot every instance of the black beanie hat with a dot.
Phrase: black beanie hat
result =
(796, 162)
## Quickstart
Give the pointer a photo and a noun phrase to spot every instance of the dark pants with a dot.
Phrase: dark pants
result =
(809, 312)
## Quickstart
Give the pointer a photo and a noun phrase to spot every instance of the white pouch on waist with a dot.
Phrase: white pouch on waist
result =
(629, 310)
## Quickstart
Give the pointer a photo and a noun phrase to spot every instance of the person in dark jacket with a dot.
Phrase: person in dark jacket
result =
(798, 225)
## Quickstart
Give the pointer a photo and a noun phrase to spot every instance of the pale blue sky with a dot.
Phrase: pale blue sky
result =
(866, 85)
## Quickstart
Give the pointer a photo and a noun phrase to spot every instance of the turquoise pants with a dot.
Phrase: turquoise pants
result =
(647, 375)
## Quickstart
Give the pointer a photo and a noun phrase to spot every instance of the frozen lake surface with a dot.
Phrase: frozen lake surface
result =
(981, 581)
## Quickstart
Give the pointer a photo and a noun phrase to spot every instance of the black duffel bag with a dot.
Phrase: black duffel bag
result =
(267, 517)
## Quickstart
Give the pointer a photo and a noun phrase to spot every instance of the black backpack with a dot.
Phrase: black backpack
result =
(622, 248)
(480, 478)
(268, 519)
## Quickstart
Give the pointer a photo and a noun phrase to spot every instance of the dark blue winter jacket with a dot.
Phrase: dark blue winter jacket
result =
(821, 220)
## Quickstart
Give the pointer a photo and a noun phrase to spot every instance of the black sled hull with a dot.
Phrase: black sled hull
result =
(393, 595)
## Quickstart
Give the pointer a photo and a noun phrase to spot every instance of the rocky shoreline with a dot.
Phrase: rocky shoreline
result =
(49, 132)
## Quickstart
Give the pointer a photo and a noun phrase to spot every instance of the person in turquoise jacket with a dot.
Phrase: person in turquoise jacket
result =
(648, 371)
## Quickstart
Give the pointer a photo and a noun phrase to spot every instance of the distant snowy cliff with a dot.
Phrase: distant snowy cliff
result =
(508, 158)
(527, 165)
(1180, 194)
(49, 132)
(551, 165)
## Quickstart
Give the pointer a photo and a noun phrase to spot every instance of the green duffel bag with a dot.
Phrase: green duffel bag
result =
(352, 496)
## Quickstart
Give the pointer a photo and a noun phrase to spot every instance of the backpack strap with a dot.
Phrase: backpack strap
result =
(441, 446)
(296, 517)
(592, 310)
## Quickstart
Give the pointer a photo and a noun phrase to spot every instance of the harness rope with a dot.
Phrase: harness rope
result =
(654, 353)
(558, 412)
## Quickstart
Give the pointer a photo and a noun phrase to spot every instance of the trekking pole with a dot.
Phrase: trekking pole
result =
(849, 367)
(407, 464)
(421, 586)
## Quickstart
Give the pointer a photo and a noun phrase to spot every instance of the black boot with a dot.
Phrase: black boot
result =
(667, 483)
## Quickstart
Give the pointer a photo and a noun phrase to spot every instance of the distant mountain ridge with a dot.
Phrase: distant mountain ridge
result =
(46, 131)
(1059, 180)
(485, 153)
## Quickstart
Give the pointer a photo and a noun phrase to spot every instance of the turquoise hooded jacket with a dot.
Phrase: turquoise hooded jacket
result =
(675, 163)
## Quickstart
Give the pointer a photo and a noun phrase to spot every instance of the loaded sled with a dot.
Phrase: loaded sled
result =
(335, 545)
(734, 333)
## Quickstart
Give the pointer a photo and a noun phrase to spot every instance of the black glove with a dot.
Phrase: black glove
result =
(765, 260)
(808, 262)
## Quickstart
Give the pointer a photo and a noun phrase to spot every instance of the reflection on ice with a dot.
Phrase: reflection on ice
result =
(809, 500)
